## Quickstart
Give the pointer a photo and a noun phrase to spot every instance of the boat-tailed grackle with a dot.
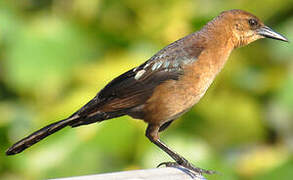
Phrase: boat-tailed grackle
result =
(168, 84)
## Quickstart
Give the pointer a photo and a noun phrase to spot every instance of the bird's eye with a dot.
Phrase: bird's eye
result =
(252, 22)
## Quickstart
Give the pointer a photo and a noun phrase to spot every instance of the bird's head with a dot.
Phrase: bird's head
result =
(246, 27)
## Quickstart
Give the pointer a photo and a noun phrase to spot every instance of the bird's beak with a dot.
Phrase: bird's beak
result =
(267, 32)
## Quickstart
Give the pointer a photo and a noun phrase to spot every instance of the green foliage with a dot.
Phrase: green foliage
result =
(56, 55)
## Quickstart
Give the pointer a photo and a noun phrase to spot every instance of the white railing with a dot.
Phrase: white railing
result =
(145, 174)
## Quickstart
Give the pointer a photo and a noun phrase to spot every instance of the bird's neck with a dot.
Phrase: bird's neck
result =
(219, 43)
(218, 34)
(217, 46)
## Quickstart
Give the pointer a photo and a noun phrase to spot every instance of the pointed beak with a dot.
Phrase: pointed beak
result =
(267, 32)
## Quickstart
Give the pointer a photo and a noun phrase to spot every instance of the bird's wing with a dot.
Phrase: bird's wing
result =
(135, 86)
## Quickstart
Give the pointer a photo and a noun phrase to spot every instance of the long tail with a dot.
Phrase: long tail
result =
(73, 121)
(39, 135)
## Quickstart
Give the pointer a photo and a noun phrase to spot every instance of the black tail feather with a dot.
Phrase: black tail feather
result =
(98, 117)
(73, 121)
(39, 135)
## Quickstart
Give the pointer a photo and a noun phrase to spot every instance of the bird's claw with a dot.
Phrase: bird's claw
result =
(188, 166)
(168, 164)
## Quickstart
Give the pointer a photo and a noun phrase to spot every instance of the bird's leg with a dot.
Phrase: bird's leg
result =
(152, 133)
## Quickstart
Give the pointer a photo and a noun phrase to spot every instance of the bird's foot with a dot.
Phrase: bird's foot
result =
(195, 171)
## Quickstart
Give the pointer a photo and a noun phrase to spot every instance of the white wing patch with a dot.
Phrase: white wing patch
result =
(157, 65)
(139, 74)
(170, 61)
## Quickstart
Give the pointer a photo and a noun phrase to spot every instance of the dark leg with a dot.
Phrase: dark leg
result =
(152, 133)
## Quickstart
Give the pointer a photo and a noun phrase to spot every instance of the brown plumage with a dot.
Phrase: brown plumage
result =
(169, 83)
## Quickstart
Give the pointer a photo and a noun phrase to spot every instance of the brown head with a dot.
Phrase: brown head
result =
(243, 28)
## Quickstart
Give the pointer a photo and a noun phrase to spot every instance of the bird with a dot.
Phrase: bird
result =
(168, 84)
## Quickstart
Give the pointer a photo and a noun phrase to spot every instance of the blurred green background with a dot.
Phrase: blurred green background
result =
(55, 55)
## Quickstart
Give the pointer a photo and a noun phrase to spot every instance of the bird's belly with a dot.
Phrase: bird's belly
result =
(173, 98)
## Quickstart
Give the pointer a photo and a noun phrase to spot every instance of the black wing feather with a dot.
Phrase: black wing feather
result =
(130, 90)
